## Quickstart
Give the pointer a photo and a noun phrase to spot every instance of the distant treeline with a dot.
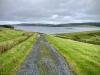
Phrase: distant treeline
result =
(7, 26)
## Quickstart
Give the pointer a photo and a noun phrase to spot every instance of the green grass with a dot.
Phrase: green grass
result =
(11, 60)
(46, 53)
(43, 52)
(11, 37)
(7, 34)
(83, 58)
(88, 36)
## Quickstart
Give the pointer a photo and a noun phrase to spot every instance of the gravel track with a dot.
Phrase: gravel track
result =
(44, 60)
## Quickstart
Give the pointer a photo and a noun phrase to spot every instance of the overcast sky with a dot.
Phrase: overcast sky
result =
(49, 11)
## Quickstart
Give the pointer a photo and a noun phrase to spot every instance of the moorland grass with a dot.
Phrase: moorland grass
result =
(83, 58)
(10, 37)
(11, 60)
(7, 34)
(92, 37)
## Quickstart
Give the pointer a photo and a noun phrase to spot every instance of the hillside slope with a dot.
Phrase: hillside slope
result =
(83, 57)
(92, 37)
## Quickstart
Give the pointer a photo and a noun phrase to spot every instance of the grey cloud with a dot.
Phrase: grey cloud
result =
(44, 10)
(93, 8)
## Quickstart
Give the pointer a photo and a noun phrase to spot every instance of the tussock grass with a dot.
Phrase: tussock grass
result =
(21, 39)
(83, 58)
(92, 37)
(9, 34)
(7, 44)
(11, 60)
(0, 28)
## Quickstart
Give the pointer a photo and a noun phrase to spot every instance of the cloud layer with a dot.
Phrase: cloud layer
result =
(50, 11)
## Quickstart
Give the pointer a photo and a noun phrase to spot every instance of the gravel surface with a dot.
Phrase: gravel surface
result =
(44, 60)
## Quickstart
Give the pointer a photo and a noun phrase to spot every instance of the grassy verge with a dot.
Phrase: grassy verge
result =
(43, 68)
(46, 54)
(92, 37)
(83, 58)
(10, 60)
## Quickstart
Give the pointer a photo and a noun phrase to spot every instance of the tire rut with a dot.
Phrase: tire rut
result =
(44, 60)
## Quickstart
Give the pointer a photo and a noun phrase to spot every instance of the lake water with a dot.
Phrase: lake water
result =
(55, 30)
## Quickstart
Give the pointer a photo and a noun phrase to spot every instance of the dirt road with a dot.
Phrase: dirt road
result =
(44, 60)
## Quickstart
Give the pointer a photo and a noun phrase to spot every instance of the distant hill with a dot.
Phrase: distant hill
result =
(7, 26)
(62, 25)
(34, 24)
(81, 24)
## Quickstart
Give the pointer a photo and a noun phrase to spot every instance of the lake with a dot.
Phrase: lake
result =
(55, 30)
